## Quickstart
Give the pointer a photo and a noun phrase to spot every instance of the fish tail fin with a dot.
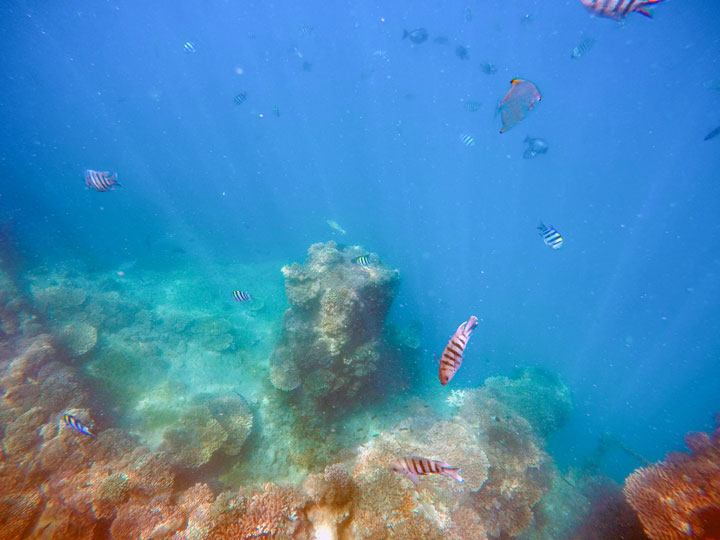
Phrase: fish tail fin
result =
(472, 322)
(646, 12)
(542, 226)
(453, 472)
(113, 179)
(405, 34)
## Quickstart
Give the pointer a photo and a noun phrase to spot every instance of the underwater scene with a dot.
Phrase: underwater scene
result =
(354, 270)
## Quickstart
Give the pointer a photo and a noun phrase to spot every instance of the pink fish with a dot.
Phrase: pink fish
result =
(101, 181)
(415, 467)
(619, 9)
(452, 356)
(517, 102)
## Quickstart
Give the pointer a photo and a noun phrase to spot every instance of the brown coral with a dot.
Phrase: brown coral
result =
(331, 339)
(679, 498)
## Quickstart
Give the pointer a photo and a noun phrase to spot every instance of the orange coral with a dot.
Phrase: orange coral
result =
(679, 498)
(272, 512)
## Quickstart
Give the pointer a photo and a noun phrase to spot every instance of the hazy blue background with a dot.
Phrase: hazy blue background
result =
(627, 311)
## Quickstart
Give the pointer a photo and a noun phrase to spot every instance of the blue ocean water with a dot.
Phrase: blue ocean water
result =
(346, 121)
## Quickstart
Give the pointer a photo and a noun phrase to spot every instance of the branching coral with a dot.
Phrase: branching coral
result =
(679, 498)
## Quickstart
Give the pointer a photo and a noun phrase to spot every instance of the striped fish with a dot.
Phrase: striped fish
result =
(467, 140)
(100, 181)
(582, 48)
(550, 236)
(415, 467)
(362, 260)
(241, 296)
(619, 9)
(77, 425)
(240, 98)
(452, 356)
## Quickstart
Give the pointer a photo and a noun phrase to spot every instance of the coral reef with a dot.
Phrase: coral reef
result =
(331, 340)
(212, 423)
(679, 498)
(536, 394)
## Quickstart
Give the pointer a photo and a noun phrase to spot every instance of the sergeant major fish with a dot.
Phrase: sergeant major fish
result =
(550, 236)
(100, 181)
(362, 260)
(415, 467)
(242, 296)
(77, 425)
(452, 356)
(619, 9)
(582, 48)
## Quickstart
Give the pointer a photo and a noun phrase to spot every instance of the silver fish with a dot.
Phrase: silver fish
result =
(535, 146)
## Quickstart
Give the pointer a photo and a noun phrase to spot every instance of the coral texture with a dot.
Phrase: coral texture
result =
(331, 340)
(679, 498)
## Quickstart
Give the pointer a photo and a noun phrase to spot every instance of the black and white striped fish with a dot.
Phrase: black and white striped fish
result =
(240, 98)
(100, 181)
(415, 467)
(362, 260)
(467, 140)
(452, 356)
(550, 236)
(189, 47)
(77, 425)
(619, 9)
(242, 296)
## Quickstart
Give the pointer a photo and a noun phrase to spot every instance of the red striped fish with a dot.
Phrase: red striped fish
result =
(101, 181)
(415, 467)
(452, 356)
(619, 9)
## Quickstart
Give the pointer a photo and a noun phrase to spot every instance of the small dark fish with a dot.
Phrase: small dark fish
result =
(619, 9)
(472, 106)
(467, 140)
(414, 467)
(582, 48)
(240, 98)
(189, 47)
(714, 133)
(462, 52)
(535, 146)
(417, 36)
(241, 296)
(77, 425)
(362, 260)
(404, 429)
(100, 181)
(468, 14)
(441, 40)
(550, 236)
(307, 66)
(488, 69)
